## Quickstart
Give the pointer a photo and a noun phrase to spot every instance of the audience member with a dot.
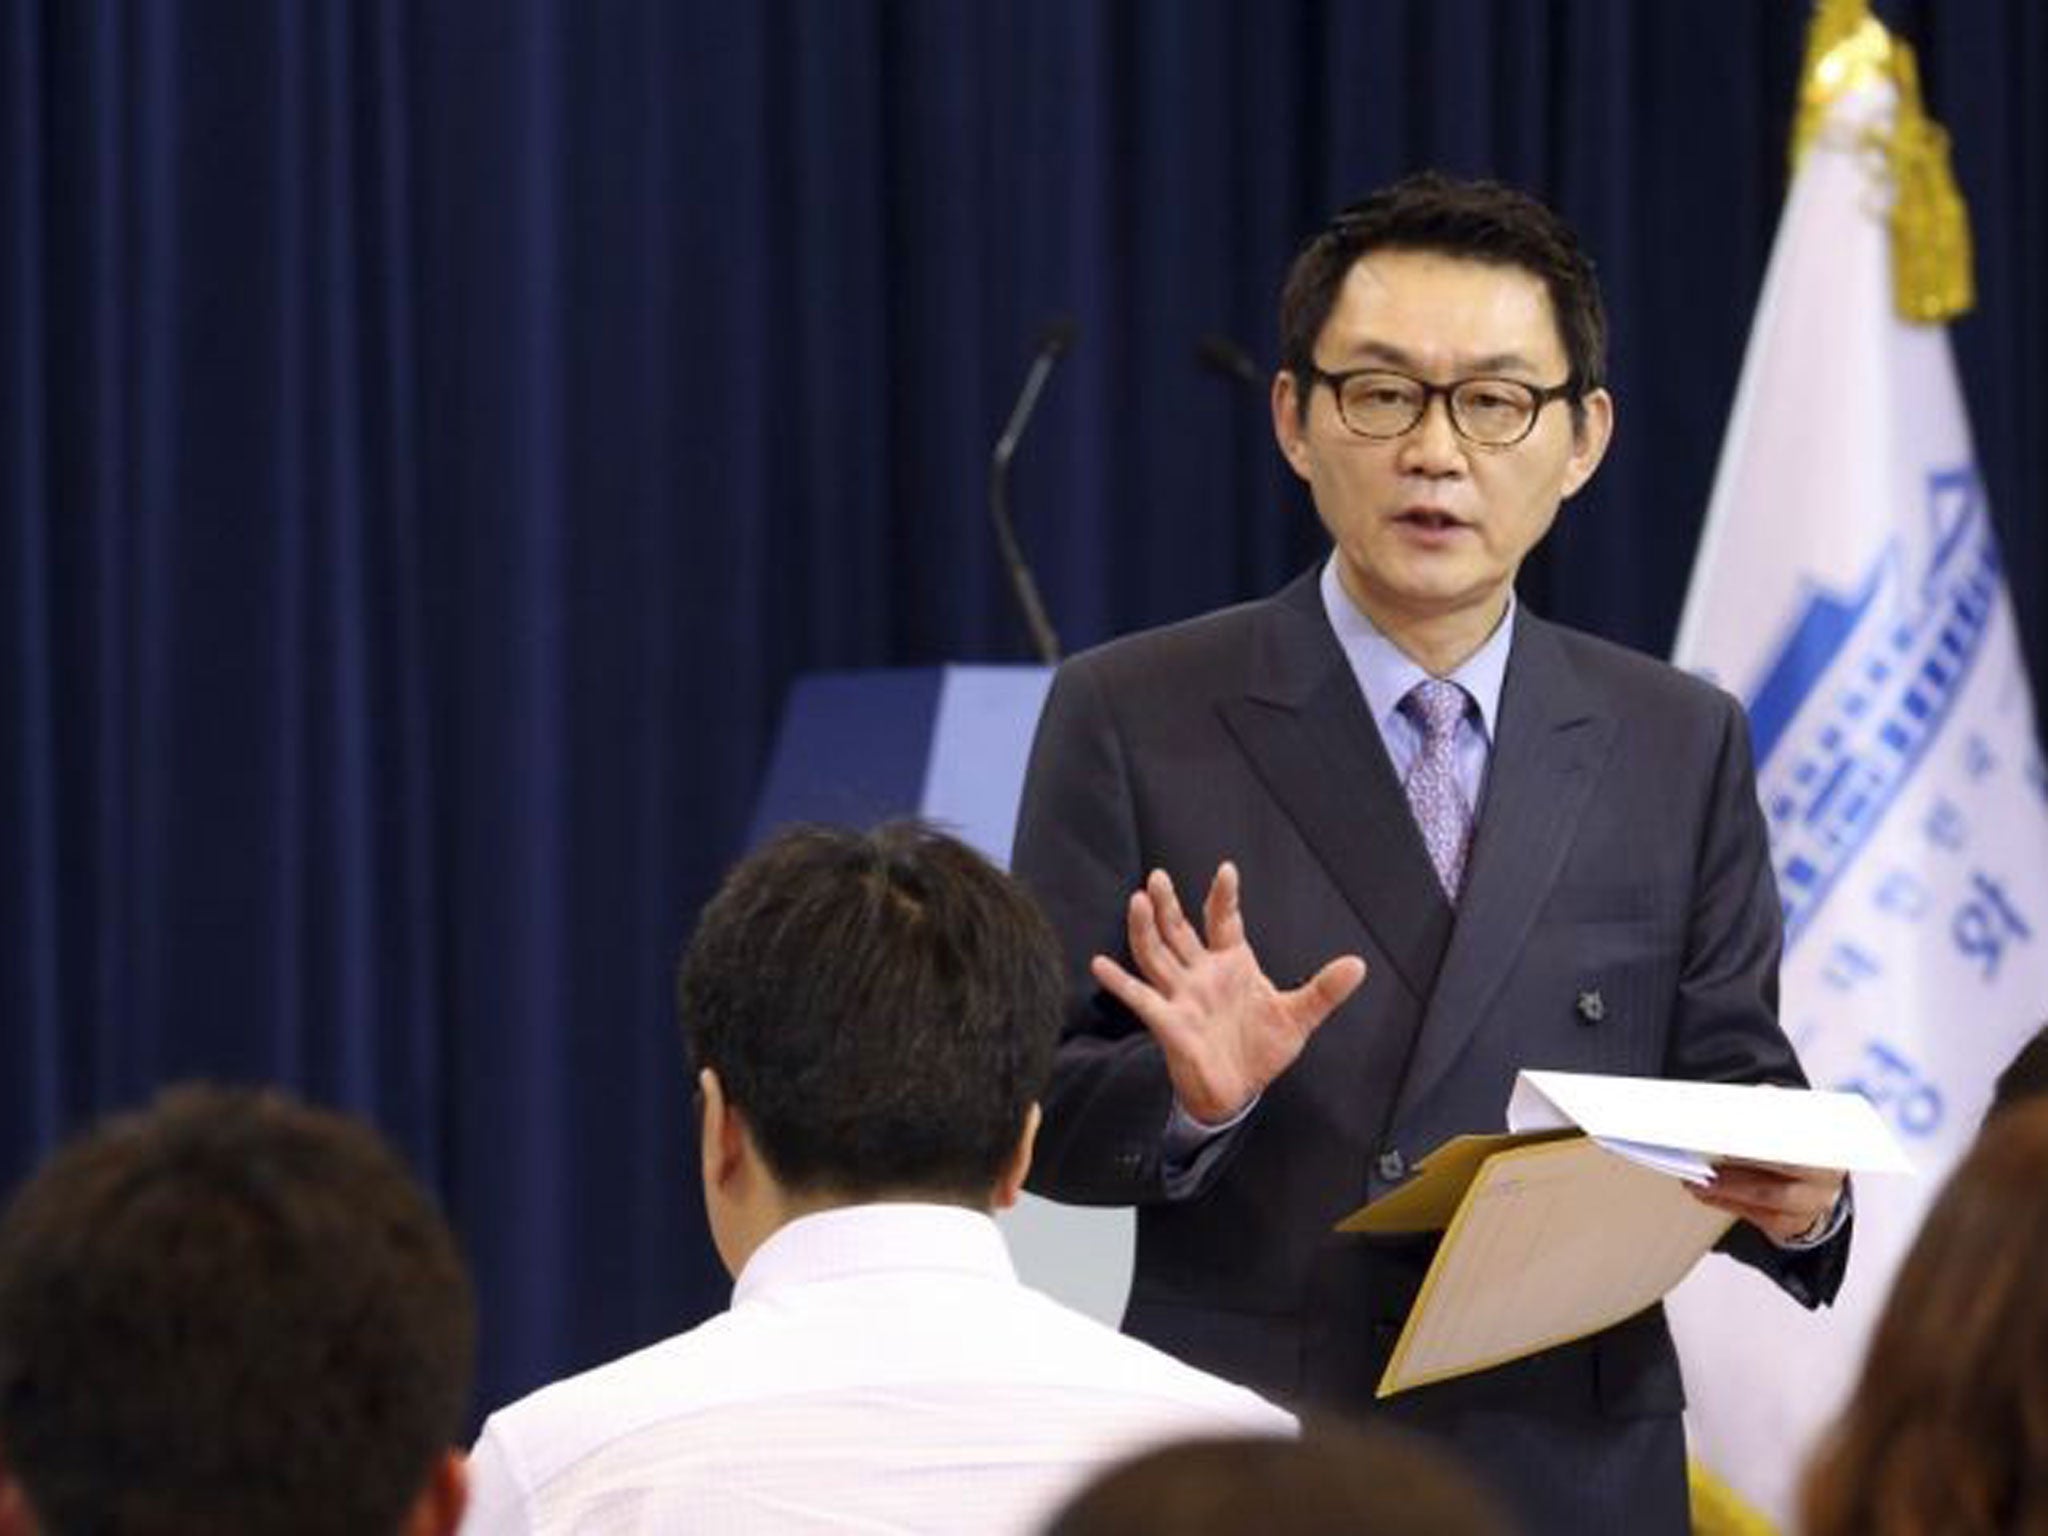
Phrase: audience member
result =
(871, 1017)
(1947, 1431)
(230, 1315)
(2025, 1076)
(1359, 1480)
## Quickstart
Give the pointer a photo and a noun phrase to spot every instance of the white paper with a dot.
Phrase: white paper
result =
(1652, 1119)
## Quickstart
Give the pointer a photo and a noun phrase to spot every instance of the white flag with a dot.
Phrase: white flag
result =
(1848, 589)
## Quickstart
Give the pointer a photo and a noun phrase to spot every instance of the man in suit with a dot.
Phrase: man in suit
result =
(1546, 851)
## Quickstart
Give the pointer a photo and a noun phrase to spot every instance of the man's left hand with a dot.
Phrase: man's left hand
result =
(1785, 1204)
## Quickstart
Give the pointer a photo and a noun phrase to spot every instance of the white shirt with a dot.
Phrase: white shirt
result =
(881, 1369)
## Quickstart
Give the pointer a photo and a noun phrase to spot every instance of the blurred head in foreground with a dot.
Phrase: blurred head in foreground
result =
(2025, 1077)
(1363, 1481)
(230, 1313)
(1948, 1428)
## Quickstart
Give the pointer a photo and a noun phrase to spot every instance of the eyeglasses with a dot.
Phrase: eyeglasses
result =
(1493, 413)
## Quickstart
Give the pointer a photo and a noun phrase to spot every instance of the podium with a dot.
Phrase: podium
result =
(945, 743)
(948, 744)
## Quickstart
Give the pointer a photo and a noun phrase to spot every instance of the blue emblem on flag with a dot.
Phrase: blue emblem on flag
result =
(1861, 687)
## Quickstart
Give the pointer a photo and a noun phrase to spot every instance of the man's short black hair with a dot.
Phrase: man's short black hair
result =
(881, 1007)
(1475, 220)
(228, 1313)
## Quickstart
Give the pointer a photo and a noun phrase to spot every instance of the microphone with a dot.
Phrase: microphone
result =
(1058, 336)
(1226, 356)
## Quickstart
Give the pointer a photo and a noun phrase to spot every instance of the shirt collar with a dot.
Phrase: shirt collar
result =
(885, 1235)
(1385, 672)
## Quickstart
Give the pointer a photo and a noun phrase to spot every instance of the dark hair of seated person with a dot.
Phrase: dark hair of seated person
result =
(882, 1007)
(1362, 1480)
(231, 1314)
(1947, 1429)
(2025, 1076)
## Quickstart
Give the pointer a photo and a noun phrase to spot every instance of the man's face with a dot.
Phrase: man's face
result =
(1430, 529)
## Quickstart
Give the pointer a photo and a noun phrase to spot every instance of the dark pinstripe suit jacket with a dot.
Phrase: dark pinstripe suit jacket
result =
(1619, 849)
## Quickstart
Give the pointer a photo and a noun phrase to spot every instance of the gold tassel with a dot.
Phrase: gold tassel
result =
(1932, 279)
(1847, 48)
(1718, 1510)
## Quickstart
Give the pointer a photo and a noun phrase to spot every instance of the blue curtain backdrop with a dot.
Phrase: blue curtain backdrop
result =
(433, 436)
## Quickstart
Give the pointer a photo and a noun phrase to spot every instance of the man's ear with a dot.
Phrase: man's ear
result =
(438, 1509)
(721, 1135)
(1011, 1184)
(1592, 430)
(1290, 429)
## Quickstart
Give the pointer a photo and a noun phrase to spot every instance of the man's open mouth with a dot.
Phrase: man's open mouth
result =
(1431, 519)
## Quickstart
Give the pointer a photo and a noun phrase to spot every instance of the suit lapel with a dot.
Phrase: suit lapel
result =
(1312, 741)
(1553, 736)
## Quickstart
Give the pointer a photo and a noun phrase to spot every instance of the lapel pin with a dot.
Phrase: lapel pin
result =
(1591, 1007)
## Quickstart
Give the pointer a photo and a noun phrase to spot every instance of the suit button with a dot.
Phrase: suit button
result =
(1392, 1167)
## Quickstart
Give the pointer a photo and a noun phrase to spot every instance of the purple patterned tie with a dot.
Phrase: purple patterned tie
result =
(1439, 805)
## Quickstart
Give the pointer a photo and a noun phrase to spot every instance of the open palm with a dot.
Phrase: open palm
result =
(1226, 1031)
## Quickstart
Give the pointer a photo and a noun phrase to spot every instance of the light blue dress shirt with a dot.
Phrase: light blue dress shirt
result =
(1386, 673)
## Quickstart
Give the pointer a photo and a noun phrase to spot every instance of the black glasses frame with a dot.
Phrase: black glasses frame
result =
(1568, 390)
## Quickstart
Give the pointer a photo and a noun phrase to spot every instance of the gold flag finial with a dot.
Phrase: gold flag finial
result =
(1848, 48)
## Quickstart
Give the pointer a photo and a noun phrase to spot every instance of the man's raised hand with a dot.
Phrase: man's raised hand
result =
(1226, 1031)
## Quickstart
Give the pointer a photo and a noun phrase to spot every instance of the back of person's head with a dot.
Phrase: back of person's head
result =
(880, 1007)
(1482, 221)
(2025, 1077)
(1360, 1480)
(1948, 1428)
(230, 1315)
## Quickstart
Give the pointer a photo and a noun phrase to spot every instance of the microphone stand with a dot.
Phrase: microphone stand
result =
(1057, 338)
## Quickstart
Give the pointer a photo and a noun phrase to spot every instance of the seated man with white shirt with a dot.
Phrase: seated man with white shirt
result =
(872, 1018)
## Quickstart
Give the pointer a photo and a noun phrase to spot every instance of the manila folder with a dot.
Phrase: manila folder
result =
(1553, 1239)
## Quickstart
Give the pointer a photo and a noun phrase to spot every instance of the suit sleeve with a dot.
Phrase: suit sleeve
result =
(1077, 850)
(1727, 1027)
